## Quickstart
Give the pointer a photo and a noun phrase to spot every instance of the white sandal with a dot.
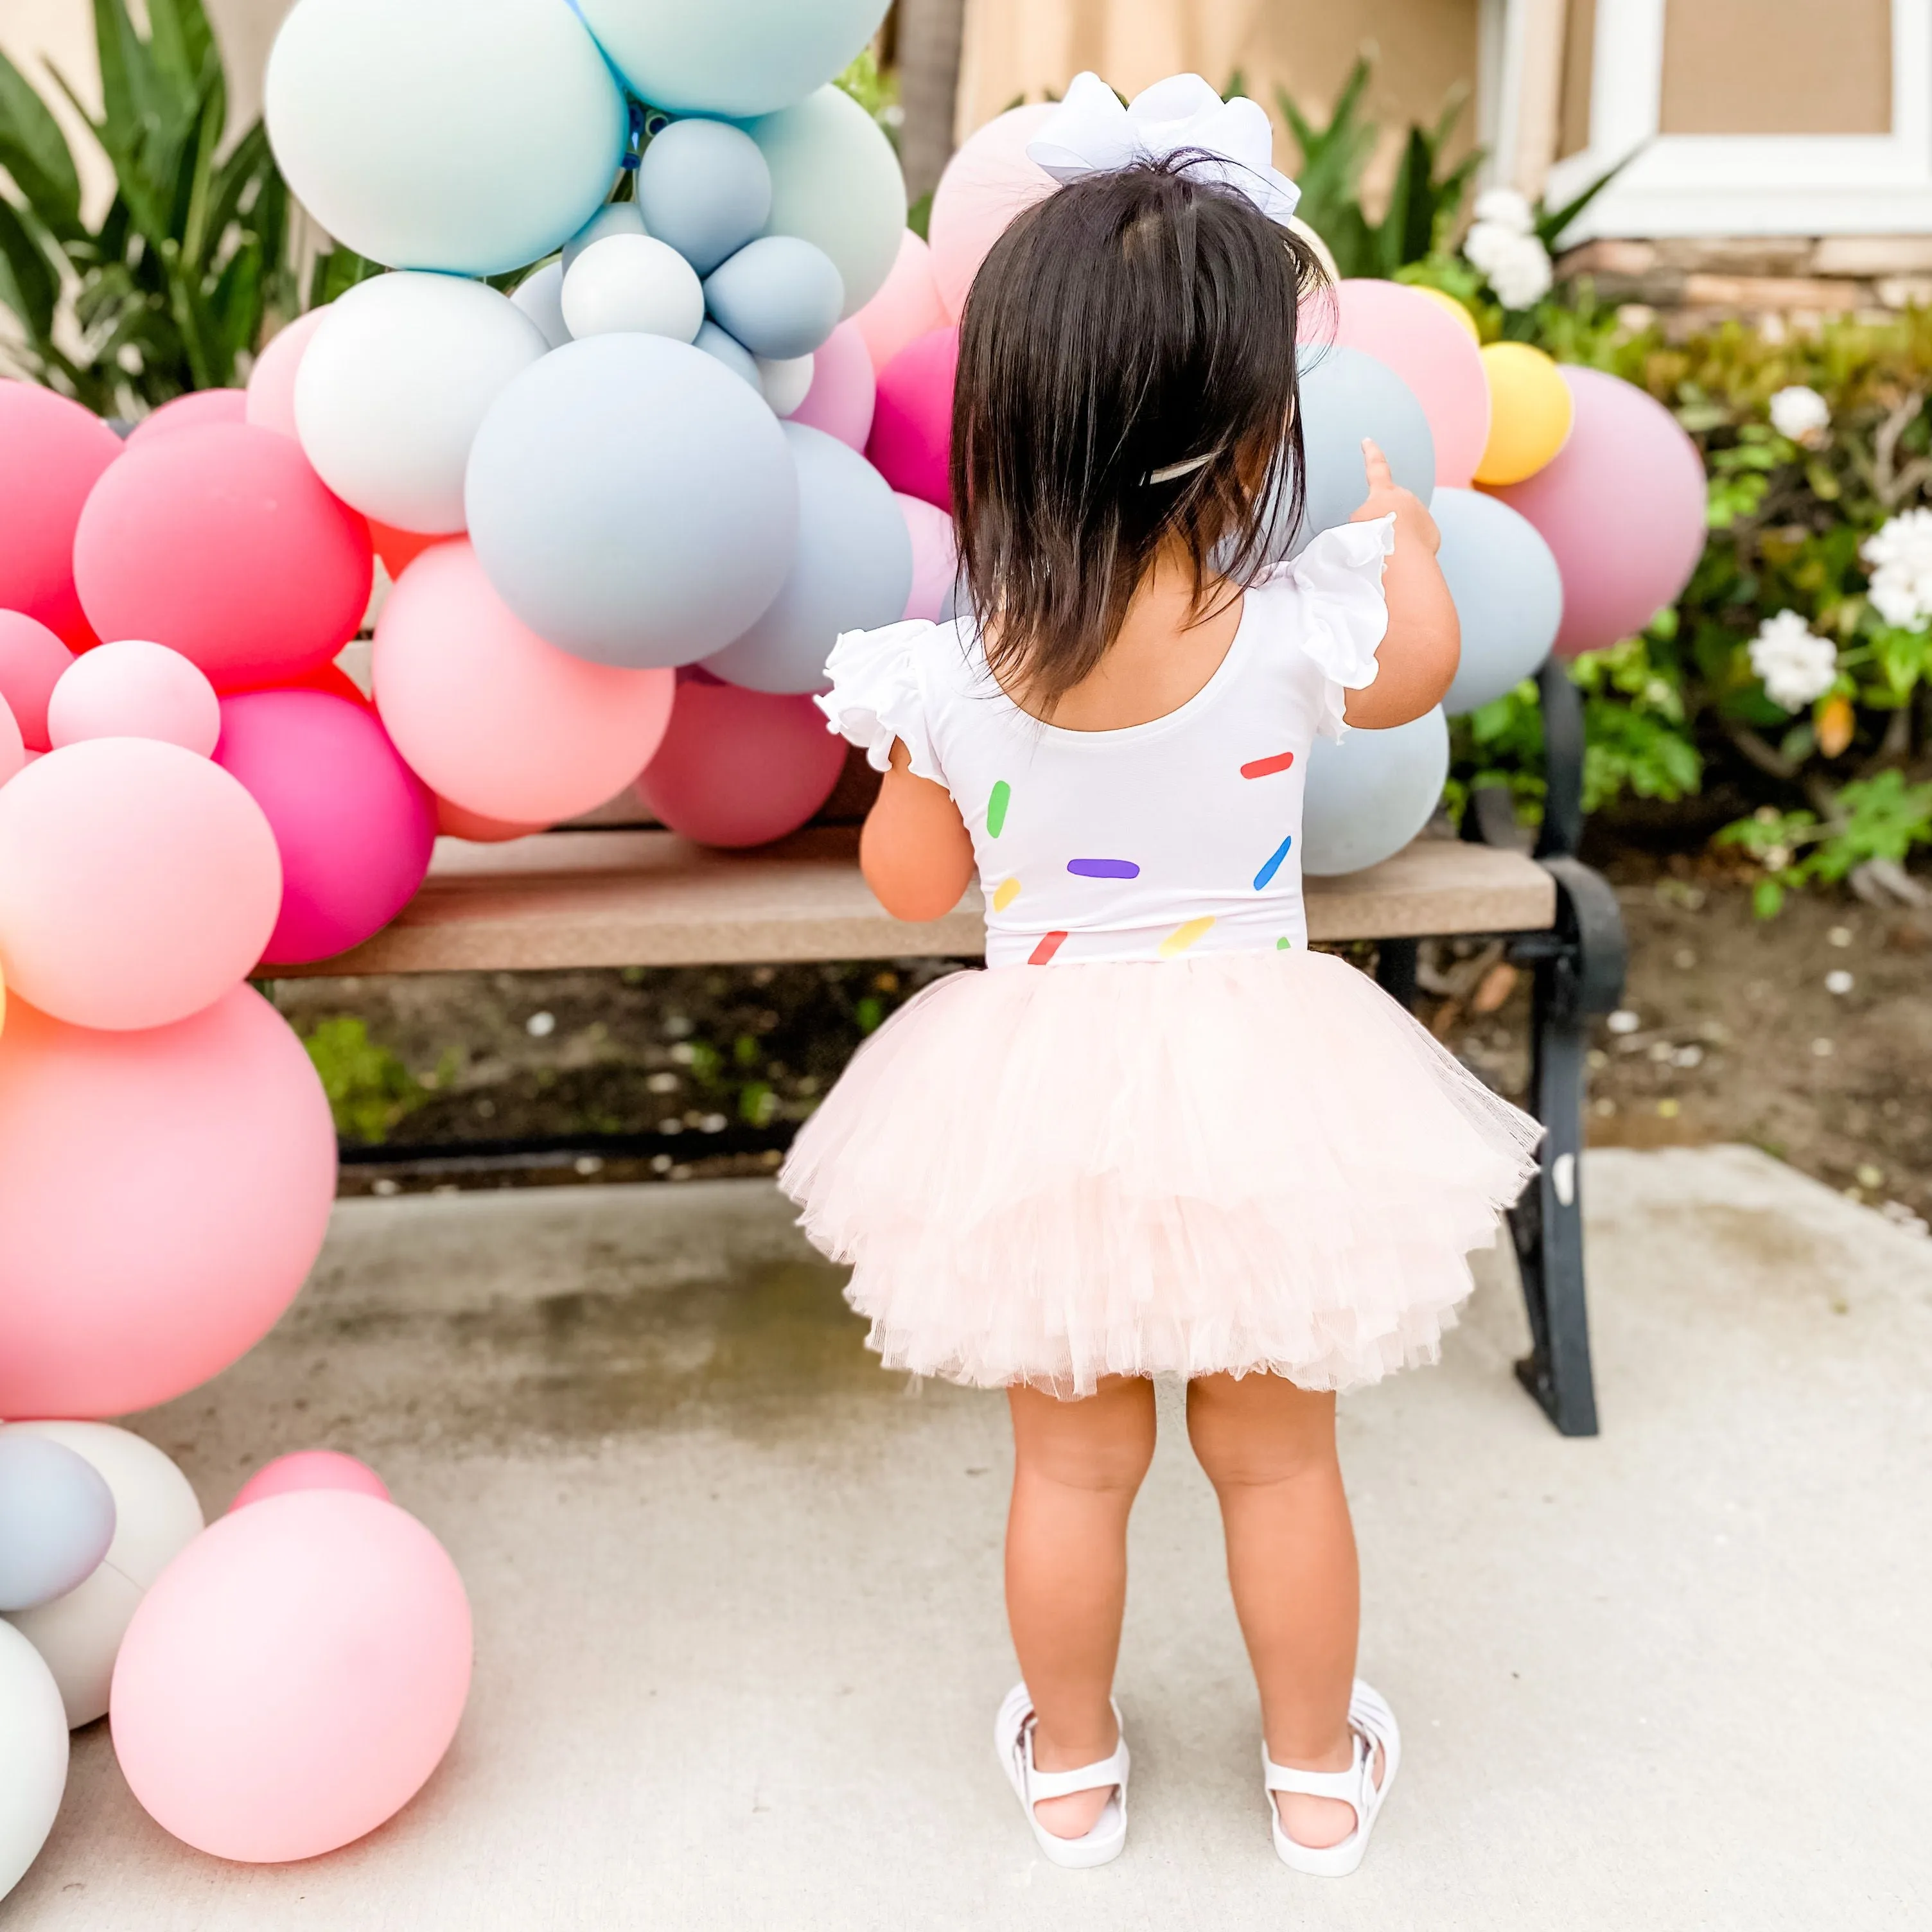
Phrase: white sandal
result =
(1371, 1722)
(1013, 1740)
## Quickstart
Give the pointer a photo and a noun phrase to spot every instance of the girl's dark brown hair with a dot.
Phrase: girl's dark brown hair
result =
(1129, 321)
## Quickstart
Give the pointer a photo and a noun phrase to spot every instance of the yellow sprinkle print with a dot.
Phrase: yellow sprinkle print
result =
(1005, 893)
(1182, 936)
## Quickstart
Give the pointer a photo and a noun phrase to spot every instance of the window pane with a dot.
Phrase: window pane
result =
(1776, 66)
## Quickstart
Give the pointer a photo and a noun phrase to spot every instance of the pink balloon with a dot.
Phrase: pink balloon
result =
(1621, 506)
(135, 689)
(986, 183)
(12, 751)
(843, 387)
(492, 717)
(907, 306)
(329, 679)
(292, 1679)
(223, 544)
(31, 662)
(740, 767)
(310, 1469)
(935, 555)
(911, 442)
(163, 1194)
(354, 825)
(138, 882)
(52, 454)
(272, 384)
(398, 549)
(1433, 354)
(453, 822)
(195, 410)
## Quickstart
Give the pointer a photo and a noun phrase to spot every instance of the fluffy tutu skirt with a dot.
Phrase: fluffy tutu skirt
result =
(1241, 1162)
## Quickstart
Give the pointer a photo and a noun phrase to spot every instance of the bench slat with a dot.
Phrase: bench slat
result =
(573, 899)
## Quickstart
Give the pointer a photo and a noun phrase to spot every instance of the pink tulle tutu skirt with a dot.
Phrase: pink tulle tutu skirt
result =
(1241, 1162)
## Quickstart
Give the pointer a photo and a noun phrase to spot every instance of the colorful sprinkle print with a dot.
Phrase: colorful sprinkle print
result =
(1182, 936)
(1284, 945)
(996, 809)
(1005, 893)
(1046, 949)
(1265, 876)
(1103, 868)
(1266, 768)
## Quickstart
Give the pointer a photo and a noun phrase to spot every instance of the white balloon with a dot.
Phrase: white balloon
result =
(156, 1516)
(33, 1756)
(614, 217)
(391, 391)
(632, 284)
(786, 380)
(1369, 796)
(540, 296)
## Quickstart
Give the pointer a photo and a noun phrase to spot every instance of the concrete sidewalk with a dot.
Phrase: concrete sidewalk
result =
(739, 1626)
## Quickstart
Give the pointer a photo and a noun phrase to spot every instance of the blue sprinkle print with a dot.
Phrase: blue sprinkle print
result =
(1265, 876)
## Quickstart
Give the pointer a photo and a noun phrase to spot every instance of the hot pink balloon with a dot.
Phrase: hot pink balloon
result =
(13, 746)
(195, 410)
(935, 555)
(330, 679)
(906, 307)
(223, 544)
(453, 822)
(272, 384)
(138, 882)
(52, 454)
(911, 442)
(492, 717)
(1621, 507)
(740, 767)
(1433, 354)
(843, 388)
(163, 1194)
(134, 689)
(310, 1469)
(986, 183)
(32, 660)
(292, 1679)
(354, 825)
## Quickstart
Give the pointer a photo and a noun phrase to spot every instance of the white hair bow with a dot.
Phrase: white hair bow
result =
(1092, 133)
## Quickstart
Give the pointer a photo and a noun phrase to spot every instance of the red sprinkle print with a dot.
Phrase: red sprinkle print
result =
(1046, 949)
(1266, 768)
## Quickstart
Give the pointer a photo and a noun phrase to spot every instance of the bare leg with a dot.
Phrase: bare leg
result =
(1269, 1449)
(1077, 1466)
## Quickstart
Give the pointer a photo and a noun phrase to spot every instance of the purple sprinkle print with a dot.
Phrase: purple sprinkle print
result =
(1103, 868)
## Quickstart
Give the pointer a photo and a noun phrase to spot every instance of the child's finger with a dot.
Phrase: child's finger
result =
(1380, 476)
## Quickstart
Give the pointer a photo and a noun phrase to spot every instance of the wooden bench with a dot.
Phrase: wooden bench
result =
(575, 899)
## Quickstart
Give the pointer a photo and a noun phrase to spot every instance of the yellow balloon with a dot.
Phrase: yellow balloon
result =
(1531, 409)
(1443, 299)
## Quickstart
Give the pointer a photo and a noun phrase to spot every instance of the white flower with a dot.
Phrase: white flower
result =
(1796, 665)
(1900, 558)
(1517, 264)
(1505, 207)
(1801, 414)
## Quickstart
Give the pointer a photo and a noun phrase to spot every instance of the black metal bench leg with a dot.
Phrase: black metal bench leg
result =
(1395, 969)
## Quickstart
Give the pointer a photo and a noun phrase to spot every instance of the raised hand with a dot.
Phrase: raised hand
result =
(1387, 497)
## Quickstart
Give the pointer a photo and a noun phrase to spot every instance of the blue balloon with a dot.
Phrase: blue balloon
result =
(1346, 395)
(1367, 796)
(632, 501)
(734, 57)
(704, 186)
(729, 351)
(780, 297)
(56, 1520)
(852, 572)
(1508, 594)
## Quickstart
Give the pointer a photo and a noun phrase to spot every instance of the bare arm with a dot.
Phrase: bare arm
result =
(1417, 660)
(915, 851)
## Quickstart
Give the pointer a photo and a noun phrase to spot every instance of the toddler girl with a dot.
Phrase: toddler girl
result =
(1157, 1135)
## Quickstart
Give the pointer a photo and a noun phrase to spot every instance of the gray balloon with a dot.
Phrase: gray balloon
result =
(1368, 796)
(853, 571)
(540, 295)
(1346, 395)
(632, 501)
(729, 351)
(780, 297)
(705, 187)
(1508, 593)
(56, 1520)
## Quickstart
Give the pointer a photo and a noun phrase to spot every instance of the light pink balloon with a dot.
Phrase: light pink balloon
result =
(935, 555)
(54, 453)
(310, 1469)
(843, 387)
(492, 717)
(740, 767)
(906, 307)
(163, 1194)
(292, 1679)
(1433, 354)
(195, 410)
(453, 822)
(13, 747)
(138, 884)
(986, 183)
(1621, 507)
(31, 662)
(271, 384)
(134, 689)
(911, 442)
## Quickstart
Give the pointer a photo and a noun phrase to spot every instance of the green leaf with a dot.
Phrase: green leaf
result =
(1551, 223)
(1767, 899)
(31, 286)
(34, 151)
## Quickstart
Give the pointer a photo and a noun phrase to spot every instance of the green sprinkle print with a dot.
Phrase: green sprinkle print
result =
(1284, 945)
(996, 809)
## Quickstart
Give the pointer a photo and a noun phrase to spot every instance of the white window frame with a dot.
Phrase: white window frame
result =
(1715, 184)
